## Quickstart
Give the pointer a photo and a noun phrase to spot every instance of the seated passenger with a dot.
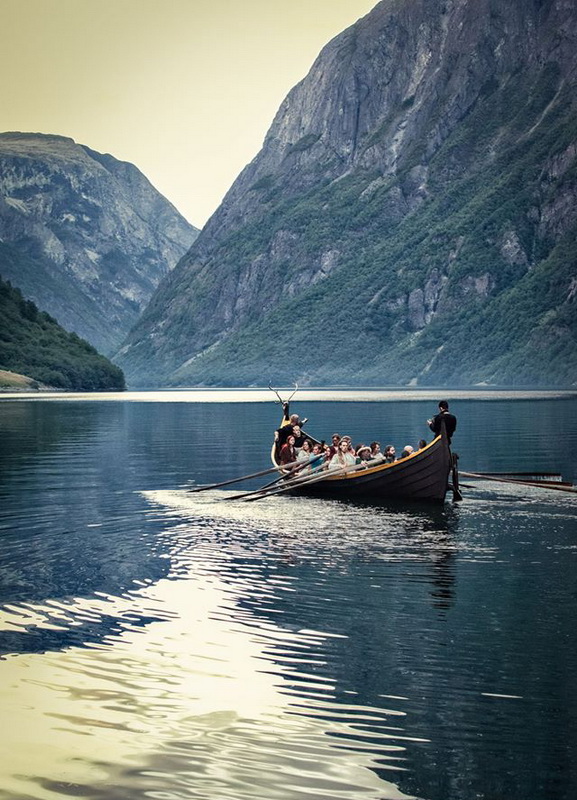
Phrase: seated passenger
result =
(343, 457)
(390, 454)
(303, 455)
(407, 450)
(288, 453)
(335, 439)
(299, 436)
(422, 443)
(375, 449)
(349, 442)
(287, 427)
(317, 457)
(364, 454)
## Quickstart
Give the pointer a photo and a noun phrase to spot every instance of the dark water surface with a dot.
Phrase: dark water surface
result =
(161, 644)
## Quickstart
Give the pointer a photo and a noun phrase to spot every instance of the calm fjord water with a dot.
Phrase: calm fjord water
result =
(161, 644)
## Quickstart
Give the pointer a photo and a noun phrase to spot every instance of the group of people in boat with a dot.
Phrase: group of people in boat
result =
(295, 448)
(341, 453)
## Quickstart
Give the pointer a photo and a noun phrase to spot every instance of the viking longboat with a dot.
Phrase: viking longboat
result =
(422, 475)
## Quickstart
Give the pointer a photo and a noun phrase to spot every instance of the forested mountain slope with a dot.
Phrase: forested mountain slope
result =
(411, 217)
(90, 237)
(33, 344)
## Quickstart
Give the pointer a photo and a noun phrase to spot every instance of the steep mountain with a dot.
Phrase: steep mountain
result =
(90, 238)
(33, 344)
(411, 217)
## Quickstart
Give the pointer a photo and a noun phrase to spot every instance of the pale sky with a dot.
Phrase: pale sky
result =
(183, 89)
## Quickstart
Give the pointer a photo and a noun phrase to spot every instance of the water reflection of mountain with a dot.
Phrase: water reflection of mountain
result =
(30, 428)
(70, 522)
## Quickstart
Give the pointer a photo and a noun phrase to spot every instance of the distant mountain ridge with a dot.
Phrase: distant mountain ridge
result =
(89, 237)
(411, 217)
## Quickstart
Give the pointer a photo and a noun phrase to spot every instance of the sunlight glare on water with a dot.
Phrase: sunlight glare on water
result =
(170, 698)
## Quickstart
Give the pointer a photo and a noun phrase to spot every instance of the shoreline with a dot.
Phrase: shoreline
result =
(239, 395)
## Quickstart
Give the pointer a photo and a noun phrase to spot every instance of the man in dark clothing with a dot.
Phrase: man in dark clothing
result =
(282, 434)
(450, 421)
(299, 435)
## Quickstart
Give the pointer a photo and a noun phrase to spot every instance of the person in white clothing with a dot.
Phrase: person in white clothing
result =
(343, 458)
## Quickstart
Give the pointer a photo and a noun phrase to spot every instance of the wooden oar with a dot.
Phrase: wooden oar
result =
(256, 491)
(242, 478)
(307, 481)
(542, 477)
(555, 485)
(457, 496)
(270, 483)
(289, 486)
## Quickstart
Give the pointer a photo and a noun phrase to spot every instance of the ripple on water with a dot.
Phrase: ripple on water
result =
(190, 703)
(196, 685)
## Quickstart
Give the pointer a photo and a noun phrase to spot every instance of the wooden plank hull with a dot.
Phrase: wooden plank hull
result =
(424, 475)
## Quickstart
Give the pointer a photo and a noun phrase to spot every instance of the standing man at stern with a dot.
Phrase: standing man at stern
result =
(450, 421)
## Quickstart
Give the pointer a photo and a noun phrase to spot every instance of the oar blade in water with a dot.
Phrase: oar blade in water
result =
(558, 485)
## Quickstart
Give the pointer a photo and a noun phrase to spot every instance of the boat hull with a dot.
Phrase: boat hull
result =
(423, 475)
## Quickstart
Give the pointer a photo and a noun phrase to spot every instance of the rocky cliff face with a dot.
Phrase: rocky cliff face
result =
(89, 237)
(411, 217)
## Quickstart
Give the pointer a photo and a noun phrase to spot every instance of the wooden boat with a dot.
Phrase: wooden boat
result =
(423, 475)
